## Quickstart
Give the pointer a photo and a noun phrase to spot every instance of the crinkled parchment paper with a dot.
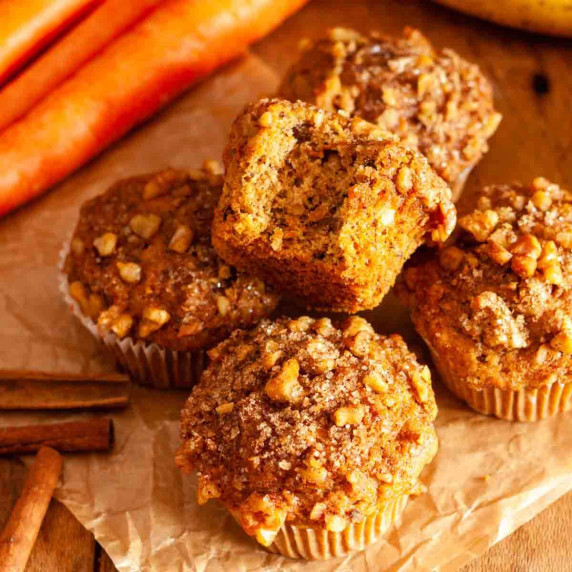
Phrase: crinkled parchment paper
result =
(489, 477)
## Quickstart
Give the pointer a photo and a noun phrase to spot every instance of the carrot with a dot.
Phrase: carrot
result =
(66, 56)
(175, 45)
(26, 26)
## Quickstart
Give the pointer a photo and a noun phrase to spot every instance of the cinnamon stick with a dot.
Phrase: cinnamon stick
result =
(38, 390)
(76, 436)
(19, 535)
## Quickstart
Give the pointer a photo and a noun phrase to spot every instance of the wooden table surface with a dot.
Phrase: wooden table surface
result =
(533, 81)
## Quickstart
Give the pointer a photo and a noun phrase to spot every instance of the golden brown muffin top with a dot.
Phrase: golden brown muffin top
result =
(496, 304)
(308, 422)
(327, 194)
(435, 101)
(141, 263)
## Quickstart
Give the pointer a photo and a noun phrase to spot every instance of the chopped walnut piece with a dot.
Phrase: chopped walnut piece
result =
(225, 408)
(355, 324)
(524, 266)
(224, 272)
(121, 325)
(359, 344)
(181, 239)
(265, 120)
(285, 385)
(376, 382)
(562, 342)
(499, 253)
(115, 321)
(162, 183)
(317, 475)
(153, 319)
(564, 239)
(105, 244)
(129, 272)
(422, 382)
(95, 305)
(541, 200)
(480, 224)
(527, 245)
(451, 258)
(351, 415)
(145, 225)
(223, 305)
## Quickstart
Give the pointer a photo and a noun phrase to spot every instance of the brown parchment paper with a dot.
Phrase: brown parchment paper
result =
(489, 477)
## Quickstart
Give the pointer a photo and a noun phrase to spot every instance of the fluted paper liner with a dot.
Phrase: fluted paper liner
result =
(489, 477)
(522, 405)
(146, 362)
(317, 544)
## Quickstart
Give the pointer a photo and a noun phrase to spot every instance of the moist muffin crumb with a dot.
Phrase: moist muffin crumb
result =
(495, 306)
(308, 423)
(435, 101)
(324, 207)
(141, 263)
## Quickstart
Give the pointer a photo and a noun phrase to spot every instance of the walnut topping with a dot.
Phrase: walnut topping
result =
(480, 224)
(129, 272)
(562, 342)
(376, 382)
(145, 225)
(105, 244)
(355, 324)
(564, 239)
(162, 183)
(524, 266)
(359, 344)
(527, 245)
(352, 415)
(181, 239)
(541, 200)
(225, 408)
(115, 321)
(285, 385)
(153, 319)
(499, 253)
(422, 383)
(223, 305)
(314, 473)
(451, 258)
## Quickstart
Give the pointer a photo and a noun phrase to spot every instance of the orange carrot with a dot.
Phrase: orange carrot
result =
(66, 56)
(175, 45)
(26, 26)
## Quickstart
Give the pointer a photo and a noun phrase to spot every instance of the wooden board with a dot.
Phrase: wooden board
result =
(533, 81)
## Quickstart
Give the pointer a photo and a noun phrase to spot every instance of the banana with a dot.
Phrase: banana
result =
(552, 17)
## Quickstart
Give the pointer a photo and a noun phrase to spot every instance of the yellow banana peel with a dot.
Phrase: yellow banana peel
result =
(552, 17)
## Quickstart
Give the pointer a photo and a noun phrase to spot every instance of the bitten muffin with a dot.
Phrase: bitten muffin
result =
(312, 435)
(325, 207)
(141, 266)
(436, 102)
(496, 306)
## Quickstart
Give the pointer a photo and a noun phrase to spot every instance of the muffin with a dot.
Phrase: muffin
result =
(143, 276)
(312, 435)
(495, 307)
(436, 102)
(325, 207)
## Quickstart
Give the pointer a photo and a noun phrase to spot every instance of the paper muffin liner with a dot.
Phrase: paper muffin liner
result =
(147, 363)
(318, 544)
(525, 404)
